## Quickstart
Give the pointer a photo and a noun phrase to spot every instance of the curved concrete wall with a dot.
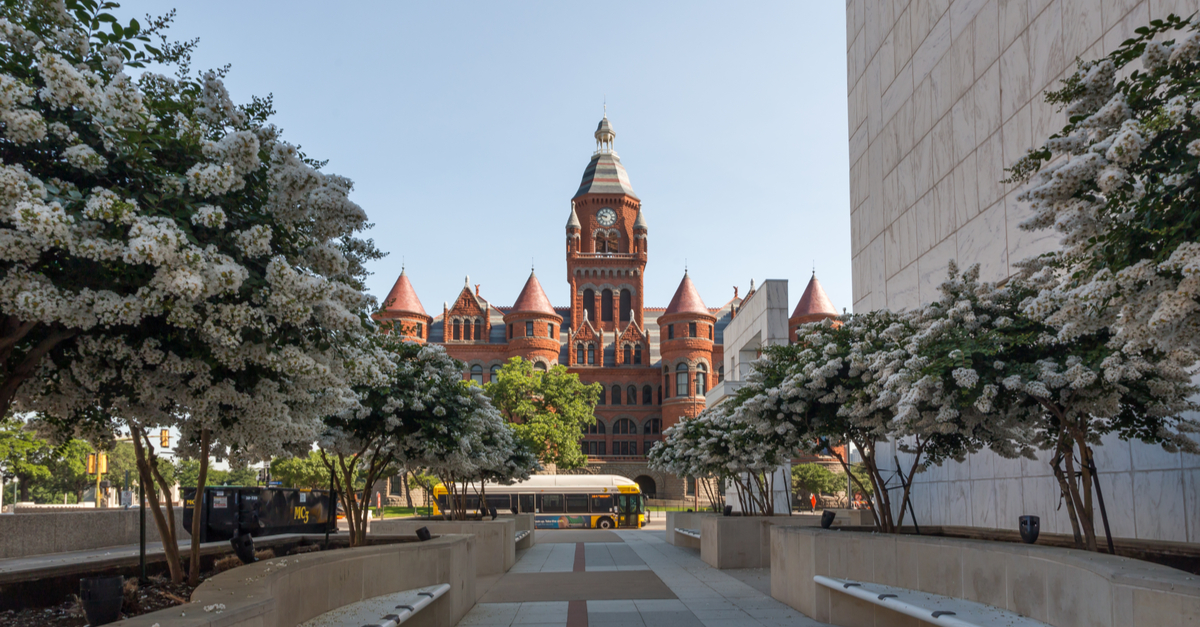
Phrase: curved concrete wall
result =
(496, 551)
(22, 535)
(1061, 587)
(287, 591)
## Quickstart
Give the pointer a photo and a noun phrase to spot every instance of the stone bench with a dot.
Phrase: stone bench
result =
(933, 609)
(521, 536)
(691, 533)
(410, 603)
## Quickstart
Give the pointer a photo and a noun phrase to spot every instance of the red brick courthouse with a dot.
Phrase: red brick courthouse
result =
(655, 363)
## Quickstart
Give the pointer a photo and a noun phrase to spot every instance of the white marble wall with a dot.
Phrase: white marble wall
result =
(942, 96)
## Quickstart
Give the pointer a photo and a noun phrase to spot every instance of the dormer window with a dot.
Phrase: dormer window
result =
(628, 356)
(579, 358)
(457, 330)
(591, 354)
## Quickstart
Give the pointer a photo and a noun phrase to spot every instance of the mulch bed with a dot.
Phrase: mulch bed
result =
(158, 594)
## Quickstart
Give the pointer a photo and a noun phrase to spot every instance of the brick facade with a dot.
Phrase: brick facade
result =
(606, 334)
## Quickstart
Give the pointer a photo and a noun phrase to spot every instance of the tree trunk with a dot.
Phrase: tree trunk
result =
(194, 558)
(166, 532)
(407, 492)
(1065, 496)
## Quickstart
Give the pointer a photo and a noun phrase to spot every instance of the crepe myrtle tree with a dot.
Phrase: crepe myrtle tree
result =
(451, 429)
(718, 444)
(1119, 184)
(166, 260)
(548, 410)
(980, 358)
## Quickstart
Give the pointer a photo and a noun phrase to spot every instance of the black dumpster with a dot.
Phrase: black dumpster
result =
(228, 511)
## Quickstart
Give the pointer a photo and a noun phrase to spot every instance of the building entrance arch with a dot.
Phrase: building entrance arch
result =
(647, 485)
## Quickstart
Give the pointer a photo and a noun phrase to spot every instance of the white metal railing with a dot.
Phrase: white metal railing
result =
(934, 609)
(425, 596)
(521, 535)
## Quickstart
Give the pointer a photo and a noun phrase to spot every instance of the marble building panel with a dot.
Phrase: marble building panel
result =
(960, 98)
(1119, 501)
(983, 503)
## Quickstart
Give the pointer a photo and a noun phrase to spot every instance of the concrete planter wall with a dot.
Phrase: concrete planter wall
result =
(743, 541)
(525, 522)
(495, 550)
(22, 535)
(685, 520)
(1061, 587)
(287, 591)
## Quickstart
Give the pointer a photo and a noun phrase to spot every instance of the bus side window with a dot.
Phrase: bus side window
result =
(577, 503)
(602, 503)
(552, 503)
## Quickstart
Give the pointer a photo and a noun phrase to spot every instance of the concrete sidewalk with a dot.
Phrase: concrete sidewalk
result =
(638, 581)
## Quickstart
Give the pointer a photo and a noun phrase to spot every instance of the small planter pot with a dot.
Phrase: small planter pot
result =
(243, 546)
(101, 599)
(827, 518)
(1030, 526)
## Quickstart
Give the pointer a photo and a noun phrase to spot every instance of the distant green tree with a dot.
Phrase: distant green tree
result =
(548, 410)
(816, 479)
(301, 472)
(68, 474)
(23, 455)
(244, 476)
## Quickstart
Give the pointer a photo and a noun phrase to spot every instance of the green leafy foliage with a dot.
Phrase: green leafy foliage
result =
(547, 409)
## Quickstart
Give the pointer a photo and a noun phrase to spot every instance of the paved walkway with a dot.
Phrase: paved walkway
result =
(626, 578)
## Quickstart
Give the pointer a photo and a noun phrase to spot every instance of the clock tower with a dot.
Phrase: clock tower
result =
(606, 246)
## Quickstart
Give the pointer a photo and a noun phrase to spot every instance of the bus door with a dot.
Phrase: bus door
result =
(628, 506)
(527, 503)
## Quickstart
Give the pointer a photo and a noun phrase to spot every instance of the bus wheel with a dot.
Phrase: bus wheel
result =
(604, 523)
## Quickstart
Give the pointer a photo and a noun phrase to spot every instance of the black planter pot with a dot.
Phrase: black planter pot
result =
(101, 599)
(728, 510)
(1030, 527)
(827, 518)
(243, 546)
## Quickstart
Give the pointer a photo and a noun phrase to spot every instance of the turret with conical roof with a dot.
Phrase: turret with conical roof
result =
(533, 326)
(814, 306)
(402, 312)
(686, 333)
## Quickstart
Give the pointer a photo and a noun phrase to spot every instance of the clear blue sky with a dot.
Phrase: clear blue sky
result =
(466, 128)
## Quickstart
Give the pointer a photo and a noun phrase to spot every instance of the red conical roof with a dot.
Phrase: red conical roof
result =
(403, 298)
(814, 302)
(686, 299)
(532, 298)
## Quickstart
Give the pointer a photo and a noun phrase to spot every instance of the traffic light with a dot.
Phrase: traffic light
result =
(103, 463)
(91, 464)
(164, 438)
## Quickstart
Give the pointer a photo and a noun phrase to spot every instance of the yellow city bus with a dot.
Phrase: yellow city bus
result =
(560, 501)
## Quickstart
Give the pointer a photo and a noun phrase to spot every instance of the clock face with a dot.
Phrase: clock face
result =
(606, 216)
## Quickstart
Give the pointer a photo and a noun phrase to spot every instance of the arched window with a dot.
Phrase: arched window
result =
(626, 304)
(457, 330)
(660, 395)
(653, 427)
(681, 380)
(494, 374)
(477, 374)
(720, 373)
(589, 304)
(628, 358)
(647, 395)
(579, 357)
(637, 355)
(467, 330)
(540, 366)
(607, 243)
(591, 354)
(701, 380)
(624, 426)
(631, 395)
(479, 329)
(616, 397)
(596, 429)
(606, 306)
(603, 394)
